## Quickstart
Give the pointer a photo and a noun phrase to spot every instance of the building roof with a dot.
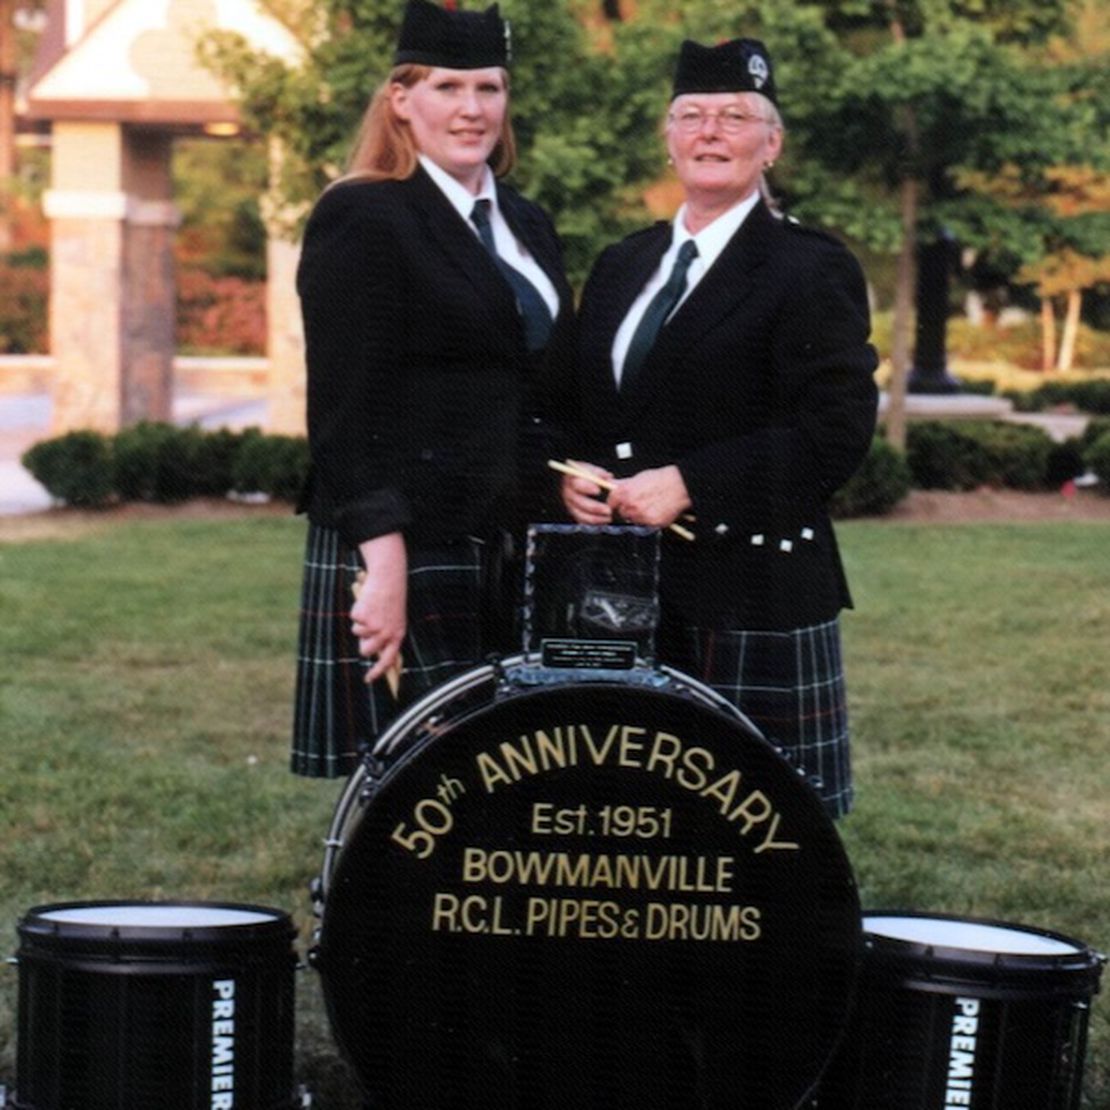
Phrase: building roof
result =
(136, 60)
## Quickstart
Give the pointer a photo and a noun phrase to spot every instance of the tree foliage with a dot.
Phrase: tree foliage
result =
(875, 92)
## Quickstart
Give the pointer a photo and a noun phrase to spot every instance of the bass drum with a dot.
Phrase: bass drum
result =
(591, 894)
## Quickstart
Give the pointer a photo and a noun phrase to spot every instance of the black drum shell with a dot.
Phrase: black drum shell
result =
(1031, 1012)
(518, 1023)
(122, 1016)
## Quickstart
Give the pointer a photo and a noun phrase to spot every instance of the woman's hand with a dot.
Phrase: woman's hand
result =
(656, 498)
(378, 616)
(580, 495)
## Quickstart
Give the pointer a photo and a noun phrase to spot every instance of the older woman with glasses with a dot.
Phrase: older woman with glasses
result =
(429, 292)
(723, 381)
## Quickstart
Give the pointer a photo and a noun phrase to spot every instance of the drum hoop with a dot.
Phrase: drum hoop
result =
(944, 967)
(511, 676)
(36, 928)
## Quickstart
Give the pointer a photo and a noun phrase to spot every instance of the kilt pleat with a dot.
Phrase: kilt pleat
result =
(791, 686)
(336, 716)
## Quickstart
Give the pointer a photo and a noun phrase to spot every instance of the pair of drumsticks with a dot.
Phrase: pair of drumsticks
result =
(602, 483)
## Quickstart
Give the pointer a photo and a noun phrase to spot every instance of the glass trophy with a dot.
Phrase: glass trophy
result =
(591, 597)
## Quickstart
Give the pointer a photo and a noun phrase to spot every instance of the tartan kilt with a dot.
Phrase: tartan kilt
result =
(791, 686)
(336, 716)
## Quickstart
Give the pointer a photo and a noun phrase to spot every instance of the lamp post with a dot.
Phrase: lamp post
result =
(936, 261)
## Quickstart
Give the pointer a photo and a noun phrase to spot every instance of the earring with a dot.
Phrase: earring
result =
(768, 165)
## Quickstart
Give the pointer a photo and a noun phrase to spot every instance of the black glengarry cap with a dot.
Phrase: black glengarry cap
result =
(435, 36)
(740, 65)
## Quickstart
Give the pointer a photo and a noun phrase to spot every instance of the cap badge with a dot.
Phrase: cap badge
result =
(759, 70)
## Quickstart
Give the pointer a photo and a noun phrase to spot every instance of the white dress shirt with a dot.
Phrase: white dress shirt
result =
(508, 246)
(711, 240)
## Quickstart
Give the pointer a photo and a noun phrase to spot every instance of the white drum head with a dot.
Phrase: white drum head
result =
(161, 916)
(971, 936)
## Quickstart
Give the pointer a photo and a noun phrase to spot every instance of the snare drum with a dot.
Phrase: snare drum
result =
(587, 894)
(954, 1012)
(137, 1005)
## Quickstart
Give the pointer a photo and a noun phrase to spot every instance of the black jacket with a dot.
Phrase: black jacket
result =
(417, 367)
(760, 389)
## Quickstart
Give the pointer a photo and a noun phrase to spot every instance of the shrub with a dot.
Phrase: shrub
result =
(271, 464)
(1092, 395)
(882, 480)
(964, 455)
(220, 315)
(1065, 461)
(1017, 454)
(1096, 428)
(1098, 459)
(1020, 344)
(942, 457)
(24, 292)
(75, 468)
(161, 462)
(156, 461)
(212, 459)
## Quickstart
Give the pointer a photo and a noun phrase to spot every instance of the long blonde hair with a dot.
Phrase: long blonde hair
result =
(385, 149)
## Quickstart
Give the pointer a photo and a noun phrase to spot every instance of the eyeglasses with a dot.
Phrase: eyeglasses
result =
(730, 120)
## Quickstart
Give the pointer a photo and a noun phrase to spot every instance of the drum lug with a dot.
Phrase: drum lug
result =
(303, 1097)
(314, 957)
(316, 894)
(374, 769)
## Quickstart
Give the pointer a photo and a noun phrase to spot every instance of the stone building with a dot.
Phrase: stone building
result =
(118, 81)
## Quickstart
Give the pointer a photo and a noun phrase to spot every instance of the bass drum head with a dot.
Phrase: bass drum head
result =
(589, 896)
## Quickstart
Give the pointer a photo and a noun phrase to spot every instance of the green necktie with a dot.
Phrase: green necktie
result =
(655, 316)
(533, 308)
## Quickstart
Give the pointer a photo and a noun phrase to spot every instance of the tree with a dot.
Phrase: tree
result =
(887, 102)
(14, 56)
(580, 134)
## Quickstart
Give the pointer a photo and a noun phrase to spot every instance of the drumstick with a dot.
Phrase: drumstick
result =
(393, 675)
(576, 472)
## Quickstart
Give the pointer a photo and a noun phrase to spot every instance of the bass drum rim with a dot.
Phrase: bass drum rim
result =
(505, 672)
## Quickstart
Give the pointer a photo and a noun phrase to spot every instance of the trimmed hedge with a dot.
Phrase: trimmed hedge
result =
(75, 468)
(164, 463)
(1098, 459)
(963, 455)
(1091, 396)
(160, 462)
(882, 480)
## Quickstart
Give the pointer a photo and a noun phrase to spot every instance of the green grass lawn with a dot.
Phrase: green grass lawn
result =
(145, 696)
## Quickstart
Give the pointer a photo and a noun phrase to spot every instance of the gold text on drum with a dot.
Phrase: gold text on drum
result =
(634, 747)
(684, 874)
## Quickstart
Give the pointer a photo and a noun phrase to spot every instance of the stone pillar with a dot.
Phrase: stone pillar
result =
(284, 330)
(284, 336)
(149, 288)
(112, 296)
